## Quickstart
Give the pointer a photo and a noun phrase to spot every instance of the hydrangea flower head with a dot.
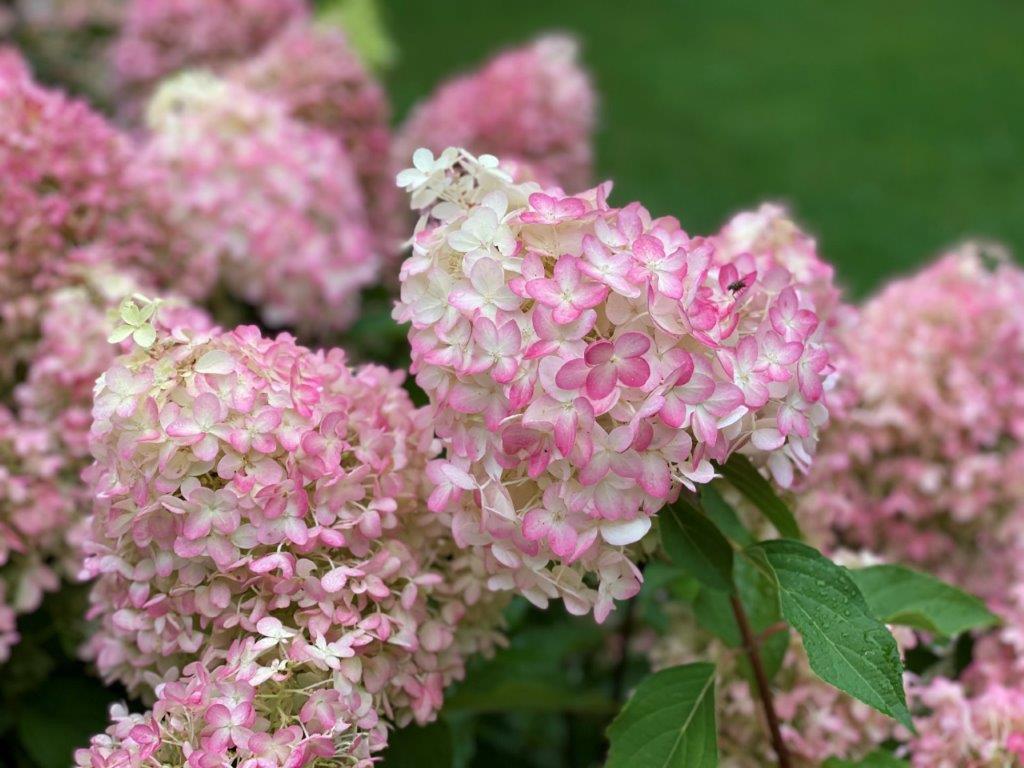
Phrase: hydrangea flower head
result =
(250, 705)
(315, 73)
(63, 183)
(584, 362)
(70, 188)
(261, 511)
(926, 464)
(299, 242)
(161, 37)
(532, 106)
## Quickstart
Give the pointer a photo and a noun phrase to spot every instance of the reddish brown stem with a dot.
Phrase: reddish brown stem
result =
(764, 691)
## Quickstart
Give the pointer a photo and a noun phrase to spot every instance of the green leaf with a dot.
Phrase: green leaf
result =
(668, 722)
(846, 645)
(694, 543)
(724, 516)
(428, 746)
(745, 478)
(879, 759)
(899, 595)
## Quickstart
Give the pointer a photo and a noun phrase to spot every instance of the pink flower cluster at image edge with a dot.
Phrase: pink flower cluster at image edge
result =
(261, 534)
(71, 235)
(926, 463)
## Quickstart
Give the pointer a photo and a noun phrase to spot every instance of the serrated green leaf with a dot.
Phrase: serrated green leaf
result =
(846, 645)
(745, 478)
(879, 759)
(428, 746)
(668, 722)
(899, 595)
(694, 543)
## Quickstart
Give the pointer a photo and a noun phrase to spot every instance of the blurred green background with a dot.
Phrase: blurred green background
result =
(892, 129)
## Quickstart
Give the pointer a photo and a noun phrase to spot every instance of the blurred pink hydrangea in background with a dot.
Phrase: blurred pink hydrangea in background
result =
(314, 72)
(161, 37)
(261, 510)
(964, 730)
(275, 204)
(925, 465)
(584, 362)
(533, 106)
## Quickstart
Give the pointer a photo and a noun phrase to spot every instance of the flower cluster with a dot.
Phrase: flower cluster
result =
(260, 509)
(71, 195)
(927, 463)
(63, 168)
(965, 730)
(274, 203)
(250, 706)
(161, 37)
(317, 76)
(73, 240)
(532, 106)
(583, 362)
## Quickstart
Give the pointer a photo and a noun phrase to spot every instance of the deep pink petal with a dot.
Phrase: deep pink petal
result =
(601, 381)
(634, 372)
(632, 344)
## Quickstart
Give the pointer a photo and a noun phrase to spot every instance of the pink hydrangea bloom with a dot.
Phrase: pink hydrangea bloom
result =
(63, 168)
(251, 705)
(926, 463)
(317, 75)
(263, 504)
(964, 729)
(532, 106)
(161, 37)
(583, 363)
(274, 202)
(69, 183)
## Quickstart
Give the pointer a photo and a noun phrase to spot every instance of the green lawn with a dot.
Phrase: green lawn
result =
(891, 128)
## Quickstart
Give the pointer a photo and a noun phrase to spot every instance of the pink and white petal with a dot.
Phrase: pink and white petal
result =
(621, 533)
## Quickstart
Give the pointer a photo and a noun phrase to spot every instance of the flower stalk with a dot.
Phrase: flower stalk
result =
(751, 647)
